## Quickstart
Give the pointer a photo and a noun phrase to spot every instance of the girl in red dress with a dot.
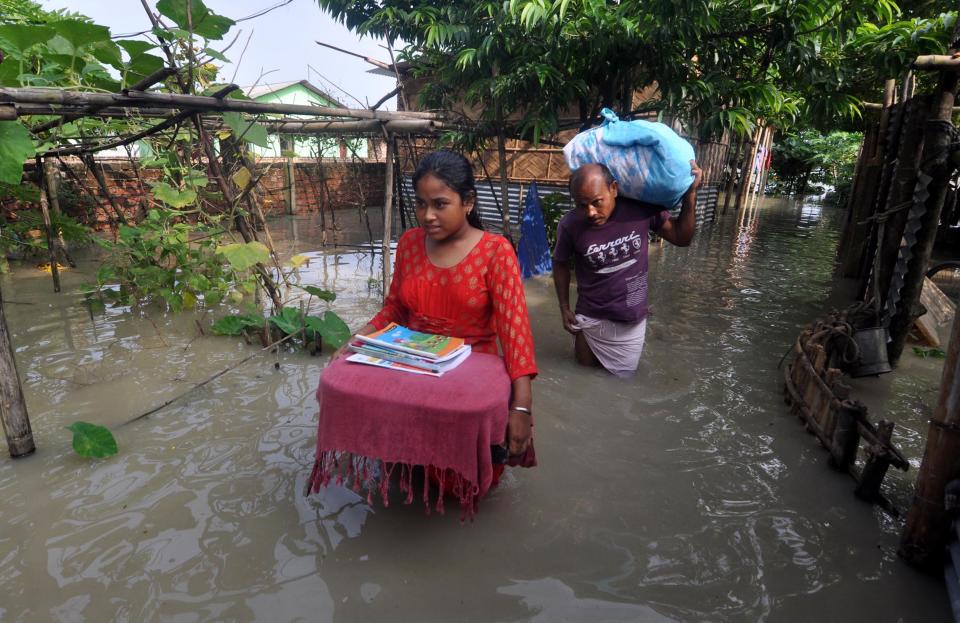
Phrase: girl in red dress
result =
(453, 278)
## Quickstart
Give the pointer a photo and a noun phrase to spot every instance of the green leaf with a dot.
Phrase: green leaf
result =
(288, 320)
(82, 34)
(205, 22)
(235, 325)
(15, 147)
(244, 255)
(331, 328)
(324, 295)
(135, 47)
(92, 440)
(246, 130)
(23, 36)
(108, 52)
(216, 55)
(173, 197)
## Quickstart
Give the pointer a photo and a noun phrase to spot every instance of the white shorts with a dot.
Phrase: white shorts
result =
(617, 345)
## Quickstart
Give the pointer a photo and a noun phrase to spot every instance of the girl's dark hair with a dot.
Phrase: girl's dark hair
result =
(453, 170)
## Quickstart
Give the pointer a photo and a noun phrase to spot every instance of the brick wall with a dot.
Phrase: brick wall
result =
(332, 185)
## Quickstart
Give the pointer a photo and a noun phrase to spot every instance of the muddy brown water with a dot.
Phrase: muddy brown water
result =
(684, 494)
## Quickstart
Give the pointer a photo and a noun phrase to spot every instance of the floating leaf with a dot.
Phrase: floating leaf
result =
(244, 255)
(288, 320)
(92, 440)
(174, 197)
(205, 22)
(325, 295)
(242, 178)
(936, 353)
(331, 328)
(15, 147)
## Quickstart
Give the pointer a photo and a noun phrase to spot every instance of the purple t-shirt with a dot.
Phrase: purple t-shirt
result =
(611, 260)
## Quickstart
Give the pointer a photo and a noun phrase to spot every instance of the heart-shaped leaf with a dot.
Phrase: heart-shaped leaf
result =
(92, 440)
(174, 197)
(205, 22)
(244, 255)
(15, 147)
(331, 328)
(288, 320)
(235, 325)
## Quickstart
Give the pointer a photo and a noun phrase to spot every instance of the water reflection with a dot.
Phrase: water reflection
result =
(686, 493)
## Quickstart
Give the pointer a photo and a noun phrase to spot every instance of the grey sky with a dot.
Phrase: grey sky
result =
(282, 43)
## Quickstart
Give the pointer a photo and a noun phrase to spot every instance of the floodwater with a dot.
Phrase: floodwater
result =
(687, 493)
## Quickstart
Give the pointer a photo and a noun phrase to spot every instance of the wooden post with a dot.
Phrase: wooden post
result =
(938, 166)
(878, 461)
(387, 215)
(13, 408)
(733, 175)
(504, 184)
(48, 226)
(746, 179)
(291, 186)
(846, 435)
(925, 535)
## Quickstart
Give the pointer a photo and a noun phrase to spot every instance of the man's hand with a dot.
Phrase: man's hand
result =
(697, 174)
(569, 320)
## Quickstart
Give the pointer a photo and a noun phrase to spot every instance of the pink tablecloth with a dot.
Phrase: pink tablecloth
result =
(374, 421)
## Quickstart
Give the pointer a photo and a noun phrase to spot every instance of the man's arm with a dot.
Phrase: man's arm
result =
(561, 281)
(679, 230)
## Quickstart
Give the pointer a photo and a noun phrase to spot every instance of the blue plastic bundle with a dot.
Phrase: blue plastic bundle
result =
(533, 250)
(649, 160)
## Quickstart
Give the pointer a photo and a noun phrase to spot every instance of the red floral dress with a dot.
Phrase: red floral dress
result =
(479, 299)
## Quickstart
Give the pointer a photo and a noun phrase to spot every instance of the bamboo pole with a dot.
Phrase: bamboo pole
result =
(48, 225)
(194, 103)
(291, 186)
(936, 62)
(504, 184)
(387, 216)
(733, 175)
(926, 532)
(13, 408)
(747, 176)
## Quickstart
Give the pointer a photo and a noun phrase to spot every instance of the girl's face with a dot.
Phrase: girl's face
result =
(440, 210)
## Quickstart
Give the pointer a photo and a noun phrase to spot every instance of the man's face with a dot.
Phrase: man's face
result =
(594, 198)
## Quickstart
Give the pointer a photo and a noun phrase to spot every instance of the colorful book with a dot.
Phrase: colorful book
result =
(398, 338)
(450, 364)
(414, 361)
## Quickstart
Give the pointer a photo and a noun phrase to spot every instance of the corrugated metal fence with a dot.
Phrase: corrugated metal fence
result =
(490, 214)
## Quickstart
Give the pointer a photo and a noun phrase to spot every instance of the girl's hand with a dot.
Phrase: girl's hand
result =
(519, 429)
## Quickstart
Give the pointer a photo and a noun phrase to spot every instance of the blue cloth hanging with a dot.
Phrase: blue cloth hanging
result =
(533, 250)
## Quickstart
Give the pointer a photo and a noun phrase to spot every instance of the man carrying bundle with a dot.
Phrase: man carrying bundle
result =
(607, 236)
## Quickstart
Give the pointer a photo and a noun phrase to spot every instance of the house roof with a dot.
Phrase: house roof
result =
(265, 89)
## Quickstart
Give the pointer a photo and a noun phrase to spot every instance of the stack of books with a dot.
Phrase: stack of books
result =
(399, 348)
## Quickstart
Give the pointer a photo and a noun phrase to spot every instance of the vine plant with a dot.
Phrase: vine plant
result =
(183, 251)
